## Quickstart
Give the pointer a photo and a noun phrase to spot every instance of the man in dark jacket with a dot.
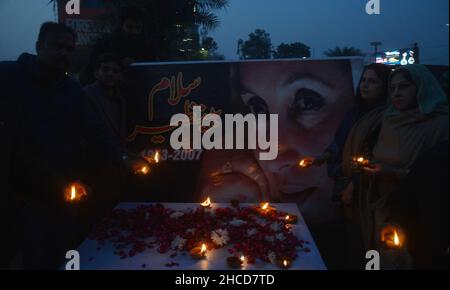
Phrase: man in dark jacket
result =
(108, 101)
(106, 94)
(57, 124)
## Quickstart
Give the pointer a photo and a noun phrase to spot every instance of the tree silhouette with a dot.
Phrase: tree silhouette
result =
(209, 44)
(345, 51)
(170, 22)
(258, 46)
(293, 50)
(209, 49)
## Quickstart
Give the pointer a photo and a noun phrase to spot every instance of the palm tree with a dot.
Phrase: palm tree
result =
(204, 16)
(345, 51)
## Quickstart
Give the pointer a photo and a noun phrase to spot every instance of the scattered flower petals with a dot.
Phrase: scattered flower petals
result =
(220, 237)
(177, 215)
(134, 231)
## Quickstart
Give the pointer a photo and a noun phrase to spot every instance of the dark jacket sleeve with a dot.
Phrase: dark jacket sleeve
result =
(97, 133)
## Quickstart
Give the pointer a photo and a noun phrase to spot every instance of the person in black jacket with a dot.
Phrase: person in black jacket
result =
(57, 124)
(109, 102)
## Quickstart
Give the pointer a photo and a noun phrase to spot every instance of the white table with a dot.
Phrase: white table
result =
(93, 259)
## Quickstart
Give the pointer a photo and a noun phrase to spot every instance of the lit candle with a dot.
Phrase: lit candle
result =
(155, 158)
(144, 170)
(393, 250)
(199, 253)
(307, 162)
(284, 264)
(291, 219)
(265, 208)
(75, 193)
(206, 203)
(361, 162)
(235, 262)
(392, 237)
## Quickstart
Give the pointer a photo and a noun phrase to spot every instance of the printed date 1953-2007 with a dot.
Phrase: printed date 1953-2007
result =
(175, 155)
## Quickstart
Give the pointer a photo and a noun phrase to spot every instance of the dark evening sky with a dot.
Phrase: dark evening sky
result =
(321, 24)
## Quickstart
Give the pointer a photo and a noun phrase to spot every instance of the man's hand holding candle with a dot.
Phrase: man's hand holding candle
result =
(136, 164)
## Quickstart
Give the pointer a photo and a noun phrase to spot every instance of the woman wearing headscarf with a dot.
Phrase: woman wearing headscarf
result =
(372, 93)
(393, 139)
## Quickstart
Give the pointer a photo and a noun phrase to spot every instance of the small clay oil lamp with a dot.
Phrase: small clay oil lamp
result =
(291, 219)
(199, 253)
(235, 262)
(285, 263)
(207, 203)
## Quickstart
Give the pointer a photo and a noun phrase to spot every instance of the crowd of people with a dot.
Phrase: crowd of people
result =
(54, 132)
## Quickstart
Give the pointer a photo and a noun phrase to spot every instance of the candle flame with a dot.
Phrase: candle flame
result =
(360, 159)
(285, 263)
(287, 217)
(144, 170)
(73, 193)
(265, 206)
(203, 250)
(396, 239)
(305, 162)
(243, 258)
(207, 202)
(157, 157)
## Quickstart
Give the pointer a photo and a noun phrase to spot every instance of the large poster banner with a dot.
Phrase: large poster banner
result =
(309, 98)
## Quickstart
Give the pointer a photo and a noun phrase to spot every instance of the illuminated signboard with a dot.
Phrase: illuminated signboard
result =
(397, 57)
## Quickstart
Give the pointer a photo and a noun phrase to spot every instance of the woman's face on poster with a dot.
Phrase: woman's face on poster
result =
(310, 98)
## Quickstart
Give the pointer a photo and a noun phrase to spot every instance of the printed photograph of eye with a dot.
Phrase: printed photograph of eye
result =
(306, 100)
(257, 105)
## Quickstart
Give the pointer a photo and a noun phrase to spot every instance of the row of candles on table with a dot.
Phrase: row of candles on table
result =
(391, 237)
(199, 253)
(265, 208)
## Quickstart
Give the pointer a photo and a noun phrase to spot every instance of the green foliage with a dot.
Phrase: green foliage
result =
(292, 50)
(258, 46)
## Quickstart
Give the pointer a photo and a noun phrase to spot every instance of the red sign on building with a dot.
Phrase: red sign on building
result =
(92, 21)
